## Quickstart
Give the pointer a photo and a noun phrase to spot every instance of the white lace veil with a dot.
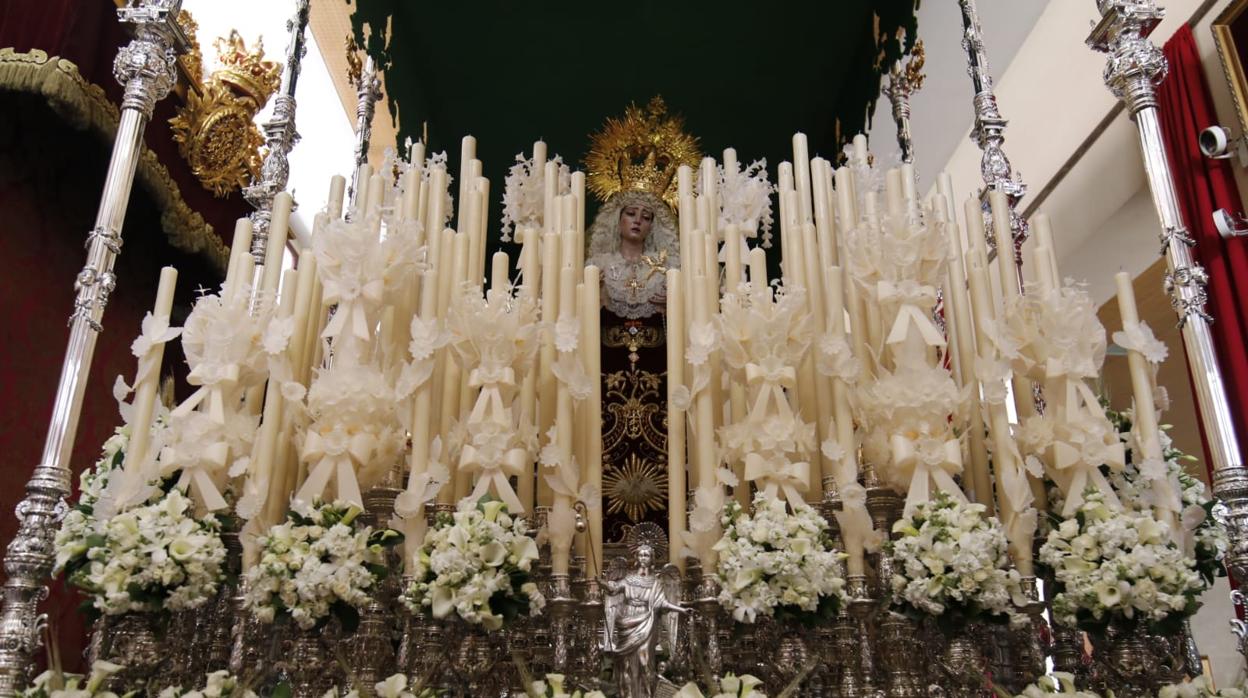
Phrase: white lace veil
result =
(604, 234)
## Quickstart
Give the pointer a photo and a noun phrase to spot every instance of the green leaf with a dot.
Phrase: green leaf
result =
(281, 690)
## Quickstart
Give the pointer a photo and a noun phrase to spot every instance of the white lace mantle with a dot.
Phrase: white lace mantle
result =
(631, 287)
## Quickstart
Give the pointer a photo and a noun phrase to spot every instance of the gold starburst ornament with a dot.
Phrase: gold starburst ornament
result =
(640, 151)
(635, 488)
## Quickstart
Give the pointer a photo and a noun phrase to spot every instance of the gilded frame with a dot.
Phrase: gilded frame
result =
(1229, 53)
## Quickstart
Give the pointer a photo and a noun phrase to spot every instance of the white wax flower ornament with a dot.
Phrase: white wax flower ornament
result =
(764, 337)
(354, 435)
(524, 192)
(745, 199)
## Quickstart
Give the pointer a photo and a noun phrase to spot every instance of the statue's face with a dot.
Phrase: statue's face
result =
(635, 223)
(645, 556)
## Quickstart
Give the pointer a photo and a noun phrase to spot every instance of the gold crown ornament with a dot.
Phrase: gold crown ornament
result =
(246, 71)
(215, 129)
(640, 152)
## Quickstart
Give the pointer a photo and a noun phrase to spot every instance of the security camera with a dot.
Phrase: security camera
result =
(1227, 225)
(1214, 140)
(1219, 143)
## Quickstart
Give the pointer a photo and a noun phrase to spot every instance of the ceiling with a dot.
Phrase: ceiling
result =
(741, 73)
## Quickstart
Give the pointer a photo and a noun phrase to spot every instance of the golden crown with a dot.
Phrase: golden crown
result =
(247, 72)
(640, 152)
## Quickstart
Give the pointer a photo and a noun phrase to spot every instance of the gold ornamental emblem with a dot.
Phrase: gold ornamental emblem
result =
(215, 129)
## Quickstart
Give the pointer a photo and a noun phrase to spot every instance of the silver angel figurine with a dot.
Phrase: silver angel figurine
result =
(639, 609)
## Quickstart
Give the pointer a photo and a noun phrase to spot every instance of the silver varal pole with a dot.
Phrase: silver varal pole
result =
(368, 91)
(146, 68)
(1133, 71)
(279, 136)
(904, 80)
(989, 132)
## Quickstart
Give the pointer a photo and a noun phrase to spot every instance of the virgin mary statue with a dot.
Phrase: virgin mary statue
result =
(632, 169)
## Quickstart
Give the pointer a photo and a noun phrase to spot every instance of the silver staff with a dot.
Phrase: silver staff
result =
(367, 91)
(904, 80)
(147, 68)
(1133, 71)
(279, 136)
(989, 133)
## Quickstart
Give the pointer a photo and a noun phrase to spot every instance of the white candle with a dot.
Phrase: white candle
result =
(1003, 462)
(592, 342)
(236, 276)
(959, 320)
(147, 383)
(279, 226)
(467, 153)
(1141, 377)
(801, 178)
(676, 488)
(452, 375)
(337, 188)
(546, 384)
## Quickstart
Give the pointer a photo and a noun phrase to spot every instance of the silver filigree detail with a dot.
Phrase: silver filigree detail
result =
(367, 91)
(147, 66)
(1186, 288)
(1171, 233)
(280, 137)
(988, 133)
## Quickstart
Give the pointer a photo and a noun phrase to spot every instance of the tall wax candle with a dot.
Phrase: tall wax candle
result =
(676, 487)
(546, 383)
(801, 178)
(592, 341)
(147, 382)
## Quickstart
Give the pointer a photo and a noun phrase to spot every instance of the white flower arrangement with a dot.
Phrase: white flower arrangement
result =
(1060, 683)
(552, 687)
(1208, 542)
(773, 563)
(80, 523)
(319, 561)
(1200, 687)
(397, 686)
(153, 557)
(475, 564)
(55, 684)
(1118, 565)
(951, 562)
(218, 684)
(730, 686)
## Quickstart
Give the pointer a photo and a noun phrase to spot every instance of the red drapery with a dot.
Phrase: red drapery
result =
(1203, 186)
